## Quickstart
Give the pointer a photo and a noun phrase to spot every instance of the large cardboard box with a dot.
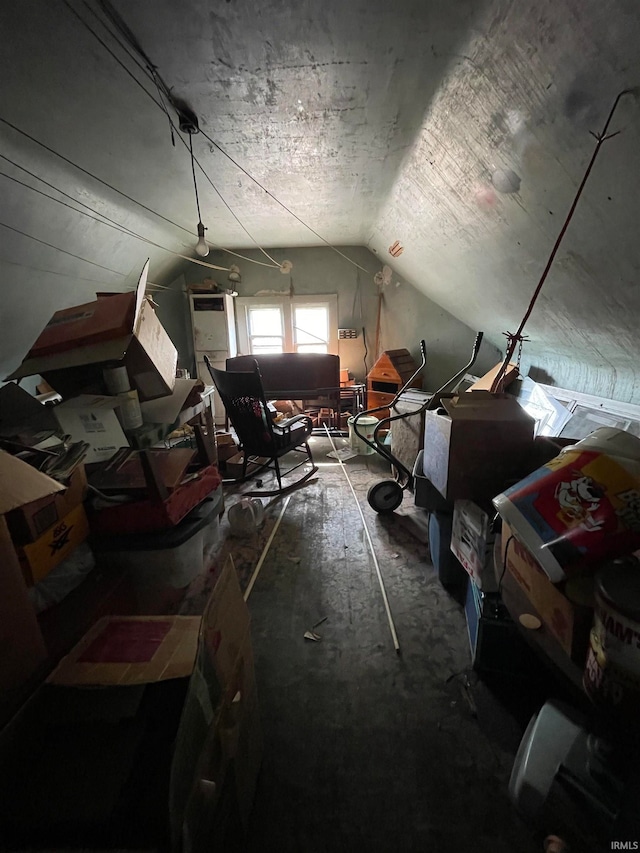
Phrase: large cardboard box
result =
(219, 738)
(569, 622)
(150, 717)
(55, 545)
(29, 521)
(131, 650)
(23, 418)
(22, 647)
(220, 735)
(83, 764)
(472, 542)
(234, 463)
(476, 444)
(93, 419)
(22, 485)
(122, 328)
(166, 410)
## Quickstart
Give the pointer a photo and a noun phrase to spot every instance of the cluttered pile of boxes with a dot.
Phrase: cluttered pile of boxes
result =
(149, 728)
(560, 551)
(86, 489)
(83, 481)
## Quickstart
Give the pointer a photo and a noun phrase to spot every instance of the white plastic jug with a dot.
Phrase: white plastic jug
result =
(246, 516)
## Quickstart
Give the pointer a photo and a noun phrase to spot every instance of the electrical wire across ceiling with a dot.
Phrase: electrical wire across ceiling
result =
(58, 249)
(119, 192)
(150, 70)
(65, 275)
(135, 52)
(109, 224)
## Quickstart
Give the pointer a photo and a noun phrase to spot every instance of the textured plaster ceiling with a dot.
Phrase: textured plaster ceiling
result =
(459, 128)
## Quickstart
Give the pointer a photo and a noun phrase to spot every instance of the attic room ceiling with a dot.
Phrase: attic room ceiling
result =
(461, 129)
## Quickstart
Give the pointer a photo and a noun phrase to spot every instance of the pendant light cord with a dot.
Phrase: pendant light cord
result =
(193, 172)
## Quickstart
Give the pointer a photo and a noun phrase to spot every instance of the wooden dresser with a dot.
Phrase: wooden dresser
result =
(387, 376)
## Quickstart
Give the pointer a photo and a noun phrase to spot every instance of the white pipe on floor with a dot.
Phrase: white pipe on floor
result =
(265, 550)
(392, 626)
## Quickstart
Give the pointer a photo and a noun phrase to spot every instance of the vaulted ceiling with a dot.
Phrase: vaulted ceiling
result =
(460, 128)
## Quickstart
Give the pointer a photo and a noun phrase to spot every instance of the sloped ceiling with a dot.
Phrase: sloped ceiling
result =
(461, 129)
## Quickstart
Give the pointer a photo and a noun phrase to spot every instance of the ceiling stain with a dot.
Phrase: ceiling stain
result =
(505, 181)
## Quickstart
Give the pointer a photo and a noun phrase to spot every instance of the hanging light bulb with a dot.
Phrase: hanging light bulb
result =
(201, 246)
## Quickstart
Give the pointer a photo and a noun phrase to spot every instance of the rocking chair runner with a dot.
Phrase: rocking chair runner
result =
(243, 397)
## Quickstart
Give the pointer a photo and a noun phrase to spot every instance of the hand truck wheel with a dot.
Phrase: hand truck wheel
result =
(385, 496)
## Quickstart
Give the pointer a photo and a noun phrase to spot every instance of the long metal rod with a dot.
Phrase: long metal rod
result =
(600, 138)
(265, 550)
(387, 608)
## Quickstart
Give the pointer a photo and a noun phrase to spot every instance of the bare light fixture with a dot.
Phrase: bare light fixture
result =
(201, 246)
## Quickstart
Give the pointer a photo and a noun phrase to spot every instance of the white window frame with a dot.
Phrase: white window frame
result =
(287, 305)
(245, 328)
(574, 399)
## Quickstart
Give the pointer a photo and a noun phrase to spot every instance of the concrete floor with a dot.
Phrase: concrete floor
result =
(367, 749)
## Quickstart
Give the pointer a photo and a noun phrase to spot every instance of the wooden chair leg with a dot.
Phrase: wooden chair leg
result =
(277, 465)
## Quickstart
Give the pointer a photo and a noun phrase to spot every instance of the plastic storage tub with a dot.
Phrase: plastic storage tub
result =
(426, 495)
(171, 558)
(450, 572)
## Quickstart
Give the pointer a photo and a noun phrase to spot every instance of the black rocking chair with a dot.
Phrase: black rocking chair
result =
(243, 397)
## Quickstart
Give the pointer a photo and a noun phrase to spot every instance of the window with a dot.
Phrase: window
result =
(265, 329)
(311, 328)
(275, 324)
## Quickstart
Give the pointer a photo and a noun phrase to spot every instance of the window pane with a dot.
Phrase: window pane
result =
(311, 348)
(266, 344)
(265, 321)
(263, 350)
(312, 326)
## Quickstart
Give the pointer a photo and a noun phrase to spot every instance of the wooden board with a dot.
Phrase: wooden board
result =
(485, 382)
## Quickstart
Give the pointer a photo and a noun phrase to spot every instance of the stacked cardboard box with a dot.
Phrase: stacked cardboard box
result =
(218, 744)
(45, 520)
(472, 542)
(118, 328)
(476, 444)
(79, 343)
(41, 525)
(115, 343)
(223, 705)
(227, 446)
(23, 648)
(234, 465)
(568, 621)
